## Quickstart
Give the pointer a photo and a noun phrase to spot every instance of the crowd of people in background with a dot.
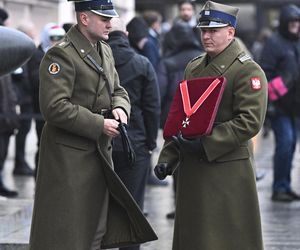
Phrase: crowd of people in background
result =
(167, 51)
(151, 59)
(21, 90)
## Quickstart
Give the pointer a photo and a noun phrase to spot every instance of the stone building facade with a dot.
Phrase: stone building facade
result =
(37, 13)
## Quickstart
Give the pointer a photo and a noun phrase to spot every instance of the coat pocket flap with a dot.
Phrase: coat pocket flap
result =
(238, 154)
(68, 139)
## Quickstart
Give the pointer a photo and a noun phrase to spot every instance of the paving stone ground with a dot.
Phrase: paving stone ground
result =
(280, 221)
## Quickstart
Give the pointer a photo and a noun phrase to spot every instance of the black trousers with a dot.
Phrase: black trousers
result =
(4, 141)
(25, 124)
(135, 178)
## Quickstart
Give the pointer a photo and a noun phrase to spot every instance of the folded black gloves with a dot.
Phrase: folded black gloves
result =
(189, 145)
(161, 170)
(127, 146)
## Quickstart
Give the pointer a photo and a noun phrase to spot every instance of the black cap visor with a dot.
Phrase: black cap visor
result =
(106, 13)
(106, 10)
(211, 24)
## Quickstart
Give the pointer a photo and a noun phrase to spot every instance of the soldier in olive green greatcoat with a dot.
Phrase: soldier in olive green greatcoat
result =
(216, 202)
(80, 203)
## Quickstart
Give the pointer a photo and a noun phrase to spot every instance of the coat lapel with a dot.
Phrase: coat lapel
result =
(88, 54)
(83, 47)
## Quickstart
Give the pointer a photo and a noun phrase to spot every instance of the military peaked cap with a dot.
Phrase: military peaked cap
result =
(216, 15)
(100, 7)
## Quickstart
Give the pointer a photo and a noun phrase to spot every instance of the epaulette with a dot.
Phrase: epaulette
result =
(64, 43)
(104, 43)
(198, 57)
(244, 57)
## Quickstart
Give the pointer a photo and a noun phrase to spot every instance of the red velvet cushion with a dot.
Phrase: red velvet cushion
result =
(202, 120)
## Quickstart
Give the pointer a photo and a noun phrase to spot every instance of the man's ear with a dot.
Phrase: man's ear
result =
(231, 32)
(84, 18)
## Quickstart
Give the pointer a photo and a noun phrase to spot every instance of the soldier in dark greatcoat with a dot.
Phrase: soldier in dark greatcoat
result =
(216, 201)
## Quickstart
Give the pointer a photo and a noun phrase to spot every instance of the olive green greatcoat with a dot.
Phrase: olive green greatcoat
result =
(75, 170)
(216, 201)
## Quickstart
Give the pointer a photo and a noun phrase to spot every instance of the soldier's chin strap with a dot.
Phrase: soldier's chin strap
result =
(127, 146)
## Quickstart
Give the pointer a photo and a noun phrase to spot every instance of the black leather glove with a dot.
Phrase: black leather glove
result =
(161, 170)
(189, 145)
(127, 146)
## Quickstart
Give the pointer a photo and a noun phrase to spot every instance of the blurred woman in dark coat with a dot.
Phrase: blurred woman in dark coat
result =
(177, 52)
(138, 77)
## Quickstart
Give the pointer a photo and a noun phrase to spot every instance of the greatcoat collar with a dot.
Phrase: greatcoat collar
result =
(86, 50)
(219, 64)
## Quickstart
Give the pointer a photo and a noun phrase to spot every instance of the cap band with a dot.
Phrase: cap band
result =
(93, 5)
(217, 16)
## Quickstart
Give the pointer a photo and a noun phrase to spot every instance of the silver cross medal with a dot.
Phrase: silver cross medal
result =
(186, 122)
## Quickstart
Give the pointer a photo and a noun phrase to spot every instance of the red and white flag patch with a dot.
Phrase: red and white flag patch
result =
(255, 83)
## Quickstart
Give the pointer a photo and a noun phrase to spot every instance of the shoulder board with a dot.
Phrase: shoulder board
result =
(244, 57)
(198, 57)
(64, 43)
(104, 43)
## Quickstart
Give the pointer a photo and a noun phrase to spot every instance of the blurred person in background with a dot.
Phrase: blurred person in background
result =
(140, 40)
(3, 17)
(259, 43)
(186, 14)
(50, 35)
(8, 117)
(67, 26)
(153, 20)
(280, 59)
(256, 51)
(138, 77)
(23, 89)
(138, 35)
(178, 51)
